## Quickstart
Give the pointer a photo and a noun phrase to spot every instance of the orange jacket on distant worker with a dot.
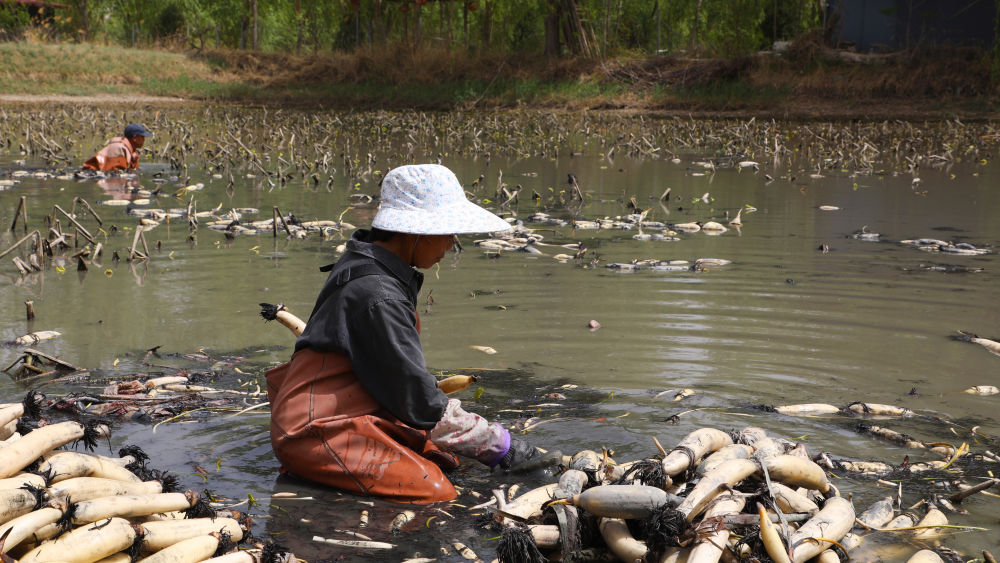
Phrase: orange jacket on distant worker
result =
(118, 155)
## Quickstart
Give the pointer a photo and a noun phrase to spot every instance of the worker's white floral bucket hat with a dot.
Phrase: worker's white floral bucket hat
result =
(427, 199)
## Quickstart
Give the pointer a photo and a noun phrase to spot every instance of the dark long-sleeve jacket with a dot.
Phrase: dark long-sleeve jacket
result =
(367, 311)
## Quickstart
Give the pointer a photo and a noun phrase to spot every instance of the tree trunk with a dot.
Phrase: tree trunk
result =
(406, 27)
(254, 37)
(605, 26)
(313, 26)
(447, 16)
(487, 23)
(569, 34)
(774, 23)
(694, 28)
(552, 29)
(576, 35)
(84, 20)
(659, 26)
(301, 22)
(614, 31)
(419, 26)
(371, 23)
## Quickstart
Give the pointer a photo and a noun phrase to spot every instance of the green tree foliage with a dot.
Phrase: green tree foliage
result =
(13, 19)
(557, 27)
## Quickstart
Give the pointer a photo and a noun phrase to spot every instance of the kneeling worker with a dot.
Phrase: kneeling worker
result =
(122, 153)
(355, 408)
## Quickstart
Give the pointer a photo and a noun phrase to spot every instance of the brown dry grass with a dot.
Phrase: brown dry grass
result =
(802, 72)
(676, 72)
(420, 65)
(807, 81)
(811, 69)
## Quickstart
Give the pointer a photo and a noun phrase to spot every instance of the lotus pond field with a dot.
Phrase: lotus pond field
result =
(826, 292)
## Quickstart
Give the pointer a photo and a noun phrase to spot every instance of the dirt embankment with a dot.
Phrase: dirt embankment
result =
(805, 81)
(97, 99)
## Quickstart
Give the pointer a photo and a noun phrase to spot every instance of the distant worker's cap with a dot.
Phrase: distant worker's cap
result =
(137, 130)
(427, 199)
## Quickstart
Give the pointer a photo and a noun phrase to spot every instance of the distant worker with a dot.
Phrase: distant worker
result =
(122, 153)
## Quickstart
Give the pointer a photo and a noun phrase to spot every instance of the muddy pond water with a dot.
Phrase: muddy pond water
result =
(803, 313)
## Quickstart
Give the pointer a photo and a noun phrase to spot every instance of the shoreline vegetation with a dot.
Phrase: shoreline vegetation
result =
(804, 81)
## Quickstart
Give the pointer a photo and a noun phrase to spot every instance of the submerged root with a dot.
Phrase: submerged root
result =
(134, 451)
(200, 509)
(518, 546)
(647, 472)
(864, 407)
(486, 521)
(274, 553)
(49, 474)
(139, 465)
(92, 431)
(169, 482)
(33, 404)
(39, 493)
(666, 528)
(65, 522)
(135, 550)
(752, 544)
(24, 425)
(269, 311)
(589, 530)
(226, 544)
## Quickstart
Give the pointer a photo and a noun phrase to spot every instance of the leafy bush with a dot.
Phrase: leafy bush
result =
(169, 22)
(13, 19)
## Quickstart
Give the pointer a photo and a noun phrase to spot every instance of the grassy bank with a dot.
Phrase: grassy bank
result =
(803, 83)
(30, 68)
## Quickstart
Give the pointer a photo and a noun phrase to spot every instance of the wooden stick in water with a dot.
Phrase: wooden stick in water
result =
(76, 224)
(90, 209)
(20, 212)
(14, 246)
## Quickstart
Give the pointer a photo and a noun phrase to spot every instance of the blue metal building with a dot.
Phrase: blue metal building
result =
(890, 25)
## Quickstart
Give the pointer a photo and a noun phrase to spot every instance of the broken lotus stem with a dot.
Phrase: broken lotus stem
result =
(281, 314)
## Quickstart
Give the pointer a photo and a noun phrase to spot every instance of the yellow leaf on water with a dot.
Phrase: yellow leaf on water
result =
(484, 349)
(962, 450)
